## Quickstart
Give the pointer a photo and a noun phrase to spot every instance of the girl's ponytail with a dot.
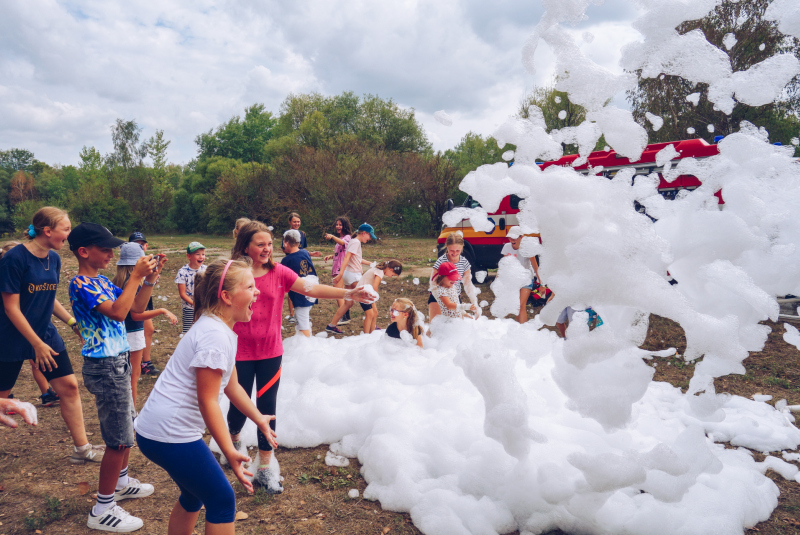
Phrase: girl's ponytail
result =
(394, 265)
(413, 324)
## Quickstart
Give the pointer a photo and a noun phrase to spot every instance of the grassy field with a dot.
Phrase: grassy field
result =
(40, 490)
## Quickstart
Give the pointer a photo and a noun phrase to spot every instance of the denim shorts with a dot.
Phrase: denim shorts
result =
(109, 380)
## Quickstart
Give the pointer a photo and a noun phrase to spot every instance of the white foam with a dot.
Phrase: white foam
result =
(442, 118)
(791, 336)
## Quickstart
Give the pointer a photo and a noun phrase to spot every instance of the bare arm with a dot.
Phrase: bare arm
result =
(209, 382)
(535, 265)
(184, 295)
(129, 300)
(150, 314)
(448, 303)
(335, 238)
(44, 353)
(321, 291)
(419, 341)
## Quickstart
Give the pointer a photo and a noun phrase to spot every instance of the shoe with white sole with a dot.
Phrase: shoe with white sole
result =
(269, 479)
(90, 455)
(134, 489)
(115, 519)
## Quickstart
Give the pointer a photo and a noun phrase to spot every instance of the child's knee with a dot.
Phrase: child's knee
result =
(222, 510)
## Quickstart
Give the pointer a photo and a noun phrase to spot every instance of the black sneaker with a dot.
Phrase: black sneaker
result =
(49, 398)
(345, 319)
(333, 330)
(149, 369)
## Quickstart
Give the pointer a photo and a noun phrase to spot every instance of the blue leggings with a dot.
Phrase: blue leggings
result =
(198, 475)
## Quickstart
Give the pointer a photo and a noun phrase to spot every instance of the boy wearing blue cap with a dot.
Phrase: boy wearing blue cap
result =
(196, 255)
(352, 271)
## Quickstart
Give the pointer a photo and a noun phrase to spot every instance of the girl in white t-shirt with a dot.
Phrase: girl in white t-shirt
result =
(446, 292)
(185, 401)
(372, 278)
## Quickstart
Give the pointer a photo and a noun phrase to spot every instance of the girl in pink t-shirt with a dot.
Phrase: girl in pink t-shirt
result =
(260, 346)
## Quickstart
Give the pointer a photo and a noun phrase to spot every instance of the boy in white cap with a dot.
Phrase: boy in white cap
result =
(515, 236)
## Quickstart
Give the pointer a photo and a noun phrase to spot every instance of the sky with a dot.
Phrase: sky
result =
(69, 69)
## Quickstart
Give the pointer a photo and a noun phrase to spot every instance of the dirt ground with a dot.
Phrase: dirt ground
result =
(40, 492)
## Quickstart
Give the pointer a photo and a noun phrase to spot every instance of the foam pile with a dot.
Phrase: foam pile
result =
(496, 427)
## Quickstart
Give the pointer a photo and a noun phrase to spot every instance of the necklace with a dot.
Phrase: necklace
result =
(39, 259)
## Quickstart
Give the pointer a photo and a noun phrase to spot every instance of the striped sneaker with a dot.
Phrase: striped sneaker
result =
(115, 519)
(134, 489)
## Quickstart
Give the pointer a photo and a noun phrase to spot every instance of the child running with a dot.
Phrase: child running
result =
(29, 278)
(454, 246)
(372, 278)
(446, 293)
(100, 308)
(129, 254)
(185, 401)
(260, 346)
(515, 236)
(196, 255)
(404, 318)
(343, 229)
(352, 271)
(299, 261)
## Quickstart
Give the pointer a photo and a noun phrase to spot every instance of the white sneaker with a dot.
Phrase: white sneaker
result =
(134, 489)
(115, 519)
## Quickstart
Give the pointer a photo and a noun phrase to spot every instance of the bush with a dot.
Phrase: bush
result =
(115, 214)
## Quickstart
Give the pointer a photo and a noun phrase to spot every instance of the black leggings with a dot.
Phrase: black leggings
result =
(263, 371)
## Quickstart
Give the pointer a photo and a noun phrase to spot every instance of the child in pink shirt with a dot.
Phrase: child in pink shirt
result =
(260, 346)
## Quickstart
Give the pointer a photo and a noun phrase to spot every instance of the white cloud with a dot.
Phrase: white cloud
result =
(68, 69)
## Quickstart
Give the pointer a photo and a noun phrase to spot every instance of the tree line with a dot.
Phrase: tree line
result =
(321, 156)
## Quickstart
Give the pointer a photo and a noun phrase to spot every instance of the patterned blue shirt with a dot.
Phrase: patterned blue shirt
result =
(103, 336)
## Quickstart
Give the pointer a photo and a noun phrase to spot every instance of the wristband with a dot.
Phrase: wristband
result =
(146, 283)
(71, 322)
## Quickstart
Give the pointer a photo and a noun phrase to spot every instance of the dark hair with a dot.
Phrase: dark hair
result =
(394, 265)
(206, 284)
(347, 228)
(293, 215)
(245, 236)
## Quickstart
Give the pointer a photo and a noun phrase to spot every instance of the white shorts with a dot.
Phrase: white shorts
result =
(350, 277)
(303, 317)
(136, 340)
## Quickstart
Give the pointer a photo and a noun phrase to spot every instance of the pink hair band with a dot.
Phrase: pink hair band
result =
(222, 280)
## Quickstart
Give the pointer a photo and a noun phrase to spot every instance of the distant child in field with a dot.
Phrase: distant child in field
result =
(149, 329)
(405, 319)
(100, 308)
(129, 254)
(185, 402)
(343, 229)
(351, 271)
(294, 224)
(446, 293)
(515, 236)
(299, 261)
(196, 255)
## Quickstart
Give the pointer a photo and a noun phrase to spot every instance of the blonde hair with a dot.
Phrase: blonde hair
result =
(412, 325)
(206, 285)
(455, 238)
(7, 247)
(244, 238)
(393, 264)
(48, 216)
(122, 275)
(242, 221)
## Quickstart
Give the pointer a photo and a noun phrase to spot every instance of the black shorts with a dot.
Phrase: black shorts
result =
(431, 298)
(9, 371)
(366, 307)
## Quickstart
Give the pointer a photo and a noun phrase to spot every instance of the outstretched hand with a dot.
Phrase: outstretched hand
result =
(24, 409)
(263, 426)
(361, 295)
(237, 460)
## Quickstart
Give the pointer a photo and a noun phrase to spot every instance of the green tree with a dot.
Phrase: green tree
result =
(757, 39)
(239, 139)
(16, 159)
(128, 152)
(157, 149)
